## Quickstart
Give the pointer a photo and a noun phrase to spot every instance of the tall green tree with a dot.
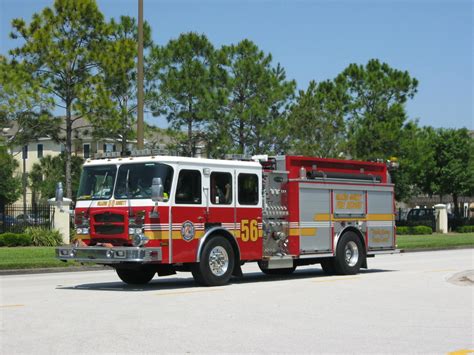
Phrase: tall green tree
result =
(10, 185)
(416, 161)
(60, 50)
(317, 120)
(186, 92)
(453, 170)
(376, 112)
(45, 175)
(116, 119)
(22, 99)
(258, 95)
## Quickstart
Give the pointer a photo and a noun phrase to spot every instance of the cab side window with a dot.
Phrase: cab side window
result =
(221, 188)
(248, 189)
(189, 189)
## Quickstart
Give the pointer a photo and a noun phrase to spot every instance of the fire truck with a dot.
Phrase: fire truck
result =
(155, 214)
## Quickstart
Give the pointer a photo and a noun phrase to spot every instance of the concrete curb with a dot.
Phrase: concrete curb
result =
(102, 268)
(435, 249)
(51, 270)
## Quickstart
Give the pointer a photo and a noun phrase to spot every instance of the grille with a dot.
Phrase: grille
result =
(108, 217)
(108, 229)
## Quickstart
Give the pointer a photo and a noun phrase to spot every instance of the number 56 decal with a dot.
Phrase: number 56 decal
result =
(249, 230)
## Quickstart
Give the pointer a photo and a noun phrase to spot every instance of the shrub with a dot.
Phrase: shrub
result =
(465, 229)
(420, 230)
(403, 230)
(414, 230)
(14, 240)
(42, 237)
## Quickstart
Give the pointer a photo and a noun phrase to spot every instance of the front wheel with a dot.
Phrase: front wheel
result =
(135, 277)
(349, 254)
(217, 263)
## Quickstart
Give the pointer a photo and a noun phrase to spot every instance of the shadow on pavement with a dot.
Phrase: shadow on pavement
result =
(174, 283)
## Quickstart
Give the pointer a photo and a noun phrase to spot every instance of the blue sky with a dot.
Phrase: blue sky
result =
(316, 40)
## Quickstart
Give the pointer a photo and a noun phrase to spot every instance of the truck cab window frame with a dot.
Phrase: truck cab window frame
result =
(221, 188)
(248, 189)
(189, 187)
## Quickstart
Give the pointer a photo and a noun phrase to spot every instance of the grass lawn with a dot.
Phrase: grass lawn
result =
(44, 257)
(434, 241)
(30, 257)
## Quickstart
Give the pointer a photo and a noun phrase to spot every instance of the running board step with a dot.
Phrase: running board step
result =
(278, 262)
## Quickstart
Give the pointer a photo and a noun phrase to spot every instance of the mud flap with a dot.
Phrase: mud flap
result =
(364, 264)
(237, 270)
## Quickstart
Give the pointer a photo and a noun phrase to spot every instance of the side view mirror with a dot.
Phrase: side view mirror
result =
(59, 195)
(157, 190)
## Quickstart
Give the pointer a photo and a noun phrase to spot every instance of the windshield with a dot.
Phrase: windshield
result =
(97, 182)
(134, 180)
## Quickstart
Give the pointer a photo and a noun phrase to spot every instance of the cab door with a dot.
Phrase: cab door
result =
(221, 199)
(188, 214)
(249, 214)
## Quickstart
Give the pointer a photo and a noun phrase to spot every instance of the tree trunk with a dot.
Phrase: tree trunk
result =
(241, 136)
(456, 205)
(124, 136)
(68, 150)
(190, 139)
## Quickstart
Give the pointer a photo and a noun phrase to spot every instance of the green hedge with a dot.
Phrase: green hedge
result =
(42, 237)
(414, 230)
(14, 240)
(465, 229)
(33, 236)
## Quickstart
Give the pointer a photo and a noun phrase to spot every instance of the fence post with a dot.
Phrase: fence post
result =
(62, 217)
(441, 218)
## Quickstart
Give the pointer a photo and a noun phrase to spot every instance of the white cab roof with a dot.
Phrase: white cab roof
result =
(174, 160)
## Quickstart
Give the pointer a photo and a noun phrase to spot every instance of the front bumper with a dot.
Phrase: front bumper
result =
(115, 255)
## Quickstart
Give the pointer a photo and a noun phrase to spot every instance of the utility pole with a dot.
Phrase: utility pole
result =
(24, 176)
(140, 144)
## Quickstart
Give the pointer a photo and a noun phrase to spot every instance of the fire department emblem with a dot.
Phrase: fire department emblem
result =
(187, 231)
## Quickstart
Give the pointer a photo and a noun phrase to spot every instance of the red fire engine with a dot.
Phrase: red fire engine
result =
(153, 214)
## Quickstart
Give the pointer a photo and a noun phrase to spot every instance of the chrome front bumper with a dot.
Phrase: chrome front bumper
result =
(115, 255)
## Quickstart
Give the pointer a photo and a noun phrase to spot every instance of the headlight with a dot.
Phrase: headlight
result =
(134, 230)
(139, 240)
(82, 230)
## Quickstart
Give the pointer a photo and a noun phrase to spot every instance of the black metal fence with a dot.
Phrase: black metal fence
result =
(16, 217)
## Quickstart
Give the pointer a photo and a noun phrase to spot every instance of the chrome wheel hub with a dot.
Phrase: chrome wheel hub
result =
(218, 261)
(351, 253)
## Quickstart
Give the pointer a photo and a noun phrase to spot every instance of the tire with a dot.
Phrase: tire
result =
(285, 271)
(135, 277)
(328, 266)
(349, 254)
(217, 263)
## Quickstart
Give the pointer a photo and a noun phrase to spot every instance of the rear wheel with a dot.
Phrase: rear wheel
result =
(349, 254)
(135, 277)
(217, 263)
(285, 271)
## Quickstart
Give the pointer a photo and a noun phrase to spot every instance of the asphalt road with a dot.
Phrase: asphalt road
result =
(406, 303)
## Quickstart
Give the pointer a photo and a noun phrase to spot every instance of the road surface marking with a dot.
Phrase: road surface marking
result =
(11, 305)
(461, 352)
(340, 279)
(185, 292)
(441, 270)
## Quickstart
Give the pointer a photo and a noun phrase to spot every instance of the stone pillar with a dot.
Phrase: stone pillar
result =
(441, 218)
(62, 217)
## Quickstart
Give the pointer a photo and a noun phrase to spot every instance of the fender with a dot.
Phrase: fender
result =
(217, 230)
(353, 229)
